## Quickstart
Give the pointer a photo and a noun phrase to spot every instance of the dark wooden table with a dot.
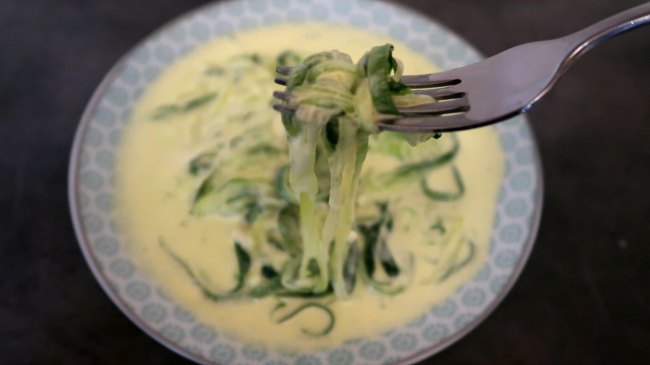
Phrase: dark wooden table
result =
(584, 297)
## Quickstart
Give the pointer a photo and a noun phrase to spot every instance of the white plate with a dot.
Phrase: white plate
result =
(91, 189)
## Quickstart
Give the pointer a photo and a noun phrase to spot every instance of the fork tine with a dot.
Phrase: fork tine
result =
(281, 81)
(440, 93)
(428, 81)
(437, 123)
(283, 108)
(281, 95)
(283, 70)
(439, 107)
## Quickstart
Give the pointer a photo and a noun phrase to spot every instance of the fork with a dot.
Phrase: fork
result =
(498, 87)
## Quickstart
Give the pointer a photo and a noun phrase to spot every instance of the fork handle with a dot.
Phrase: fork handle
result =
(581, 41)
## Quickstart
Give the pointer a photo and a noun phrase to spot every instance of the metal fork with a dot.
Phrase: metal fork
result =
(499, 87)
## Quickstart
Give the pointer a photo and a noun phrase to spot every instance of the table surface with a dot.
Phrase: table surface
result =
(584, 296)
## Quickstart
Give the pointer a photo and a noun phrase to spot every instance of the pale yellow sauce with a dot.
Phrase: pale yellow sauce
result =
(154, 194)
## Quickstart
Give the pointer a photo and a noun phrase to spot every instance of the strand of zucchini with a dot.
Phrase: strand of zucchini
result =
(321, 100)
(345, 163)
(331, 319)
(313, 269)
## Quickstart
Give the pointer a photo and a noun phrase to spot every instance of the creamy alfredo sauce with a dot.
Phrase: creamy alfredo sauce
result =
(204, 110)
